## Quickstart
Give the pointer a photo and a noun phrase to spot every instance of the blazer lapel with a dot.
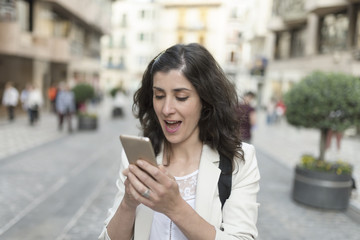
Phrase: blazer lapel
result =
(207, 182)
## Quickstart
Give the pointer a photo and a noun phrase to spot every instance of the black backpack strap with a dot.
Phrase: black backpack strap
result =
(224, 183)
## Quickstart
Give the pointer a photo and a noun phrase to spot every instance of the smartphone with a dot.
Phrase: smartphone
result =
(138, 148)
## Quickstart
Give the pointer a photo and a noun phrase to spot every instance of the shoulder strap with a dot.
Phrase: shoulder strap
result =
(224, 183)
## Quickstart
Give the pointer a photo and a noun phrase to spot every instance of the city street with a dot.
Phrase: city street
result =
(61, 187)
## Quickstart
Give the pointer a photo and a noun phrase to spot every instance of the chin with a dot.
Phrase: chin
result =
(172, 139)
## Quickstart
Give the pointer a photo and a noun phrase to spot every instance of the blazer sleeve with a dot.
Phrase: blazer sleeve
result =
(118, 198)
(240, 210)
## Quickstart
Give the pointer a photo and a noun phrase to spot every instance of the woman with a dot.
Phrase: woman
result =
(186, 106)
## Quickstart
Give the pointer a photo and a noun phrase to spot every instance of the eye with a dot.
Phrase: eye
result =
(182, 99)
(159, 97)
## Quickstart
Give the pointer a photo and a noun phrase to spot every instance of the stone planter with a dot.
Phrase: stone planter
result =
(87, 123)
(322, 189)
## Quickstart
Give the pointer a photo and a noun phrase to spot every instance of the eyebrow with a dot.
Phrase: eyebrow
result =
(175, 90)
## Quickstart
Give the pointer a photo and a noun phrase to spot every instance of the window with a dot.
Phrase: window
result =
(123, 41)
(298, 37)
(121, 64)
(110, 62)
(23, 15)
(282, 47)
(142, 14)
(288, 7)
(333, 32)
(77, 38)
(61, 26)
(7, 10)
(232, 57)
(124, 20)
(141, 37)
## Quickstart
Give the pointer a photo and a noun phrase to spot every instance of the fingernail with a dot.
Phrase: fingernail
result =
(140, 162)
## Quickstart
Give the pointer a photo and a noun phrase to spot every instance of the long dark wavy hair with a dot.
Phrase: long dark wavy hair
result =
(219, 125)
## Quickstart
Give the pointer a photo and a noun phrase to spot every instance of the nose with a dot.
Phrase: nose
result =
(168, 107)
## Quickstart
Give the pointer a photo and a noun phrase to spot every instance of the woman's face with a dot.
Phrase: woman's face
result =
(177, 106)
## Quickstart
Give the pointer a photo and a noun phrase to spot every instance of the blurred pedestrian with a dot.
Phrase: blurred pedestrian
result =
(270, 111)
(52, 92)
(247, 114)
(338, 136)
(34, 103)
(10, 99)
(280, 110)
(65, 105)
(24, 96)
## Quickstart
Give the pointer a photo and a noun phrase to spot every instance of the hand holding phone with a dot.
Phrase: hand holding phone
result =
(138, 148)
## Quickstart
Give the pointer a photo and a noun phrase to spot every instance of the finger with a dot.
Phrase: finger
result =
(138, 196)
(153, 171)
(137, 184)
(147, 180)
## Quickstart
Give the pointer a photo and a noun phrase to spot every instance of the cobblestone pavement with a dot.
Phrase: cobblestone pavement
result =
(279, 216)
(19, 136)
(53, 189)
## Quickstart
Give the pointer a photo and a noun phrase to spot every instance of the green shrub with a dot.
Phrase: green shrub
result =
(83, 92)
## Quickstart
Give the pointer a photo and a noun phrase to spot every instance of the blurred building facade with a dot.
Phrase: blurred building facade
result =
(197, 21)
(142, 29)
(131, 44)
(246, 44)
(308, 35)
(44, 42)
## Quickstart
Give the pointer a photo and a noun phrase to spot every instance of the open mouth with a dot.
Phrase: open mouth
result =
(172, 126)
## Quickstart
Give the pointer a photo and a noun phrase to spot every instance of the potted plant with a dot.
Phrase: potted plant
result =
(118, 95)
(87, 121)
(83, 93)
(324, 101)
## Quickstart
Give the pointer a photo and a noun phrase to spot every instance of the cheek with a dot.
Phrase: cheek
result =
(195, 112)
(157, 108)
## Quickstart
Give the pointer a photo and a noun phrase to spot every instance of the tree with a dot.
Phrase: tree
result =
(324, 101)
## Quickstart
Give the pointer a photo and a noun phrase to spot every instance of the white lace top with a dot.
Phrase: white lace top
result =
(162, 227)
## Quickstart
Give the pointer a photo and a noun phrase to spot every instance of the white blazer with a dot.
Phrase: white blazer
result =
(239, 215)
